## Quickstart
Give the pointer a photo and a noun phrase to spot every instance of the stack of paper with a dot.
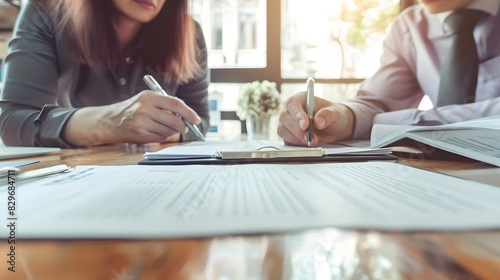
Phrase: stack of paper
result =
(207, 200)
(477, 139)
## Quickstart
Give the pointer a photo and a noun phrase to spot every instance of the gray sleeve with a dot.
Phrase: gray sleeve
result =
(29, 114)
(195, 93)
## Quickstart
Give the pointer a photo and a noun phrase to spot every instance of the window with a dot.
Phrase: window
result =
(235, 32)
(333, 39)
(285, 41)
(248, 31)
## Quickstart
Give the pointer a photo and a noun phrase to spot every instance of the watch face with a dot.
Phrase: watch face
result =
(8, 15)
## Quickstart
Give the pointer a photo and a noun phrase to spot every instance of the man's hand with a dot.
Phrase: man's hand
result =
(332, 121)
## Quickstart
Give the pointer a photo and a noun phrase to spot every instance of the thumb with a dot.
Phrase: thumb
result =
(327, 117)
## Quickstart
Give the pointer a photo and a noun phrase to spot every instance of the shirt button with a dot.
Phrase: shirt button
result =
(122, 81)
(129, 60)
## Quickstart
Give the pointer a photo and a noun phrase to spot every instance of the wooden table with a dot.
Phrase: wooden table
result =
(328, 253)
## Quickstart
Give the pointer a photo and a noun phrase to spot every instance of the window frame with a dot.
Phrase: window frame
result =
(272, 71)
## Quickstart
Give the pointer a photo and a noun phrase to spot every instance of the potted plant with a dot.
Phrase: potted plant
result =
(258, 103)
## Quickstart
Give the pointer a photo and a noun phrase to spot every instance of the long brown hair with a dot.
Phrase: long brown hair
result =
(87, 32)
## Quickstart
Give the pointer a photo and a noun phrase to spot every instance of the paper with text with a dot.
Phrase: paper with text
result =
(476, 139)
(186, 201)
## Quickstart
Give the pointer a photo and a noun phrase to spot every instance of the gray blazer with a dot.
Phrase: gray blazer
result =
(43, 87)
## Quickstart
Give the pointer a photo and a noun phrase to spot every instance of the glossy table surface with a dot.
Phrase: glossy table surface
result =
(328, 253)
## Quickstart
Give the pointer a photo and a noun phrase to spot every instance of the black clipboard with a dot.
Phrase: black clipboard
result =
(216, 160)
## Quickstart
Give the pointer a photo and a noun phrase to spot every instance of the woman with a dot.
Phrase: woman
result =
(74, 74)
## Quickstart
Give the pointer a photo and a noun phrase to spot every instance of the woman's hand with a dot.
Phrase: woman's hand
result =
(332, 121)
(144, 118)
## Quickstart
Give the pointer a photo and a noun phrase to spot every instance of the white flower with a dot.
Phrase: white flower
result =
(260, 99)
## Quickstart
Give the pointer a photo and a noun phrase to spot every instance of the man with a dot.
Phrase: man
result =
(413, 64)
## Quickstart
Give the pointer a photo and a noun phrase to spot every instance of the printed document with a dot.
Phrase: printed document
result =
(201, 200)
(477, 139)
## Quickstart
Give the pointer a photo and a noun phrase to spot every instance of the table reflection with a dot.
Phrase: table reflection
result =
(314, 254)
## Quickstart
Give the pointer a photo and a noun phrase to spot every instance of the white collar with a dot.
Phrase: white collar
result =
(488, 6)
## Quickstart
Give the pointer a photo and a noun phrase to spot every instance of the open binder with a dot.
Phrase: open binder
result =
(258, 152)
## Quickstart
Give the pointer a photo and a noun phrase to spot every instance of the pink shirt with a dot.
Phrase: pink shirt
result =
(410, 65)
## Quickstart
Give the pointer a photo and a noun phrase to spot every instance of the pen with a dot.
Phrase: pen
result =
(310, 109)
(38, 173)
(155, 86)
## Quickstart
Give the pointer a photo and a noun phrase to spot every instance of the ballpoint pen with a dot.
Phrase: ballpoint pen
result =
(310, 110)
(155, 86)
(36, 173)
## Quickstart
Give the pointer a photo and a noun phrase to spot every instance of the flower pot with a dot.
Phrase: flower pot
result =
(258, 128)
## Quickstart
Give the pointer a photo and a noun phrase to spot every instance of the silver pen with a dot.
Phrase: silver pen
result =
(155, 86)
(310, 110)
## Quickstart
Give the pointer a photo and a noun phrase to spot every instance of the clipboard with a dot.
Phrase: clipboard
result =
(270, 152)
(219, 161)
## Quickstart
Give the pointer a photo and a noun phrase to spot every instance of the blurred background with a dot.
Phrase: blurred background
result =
(283, 41)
